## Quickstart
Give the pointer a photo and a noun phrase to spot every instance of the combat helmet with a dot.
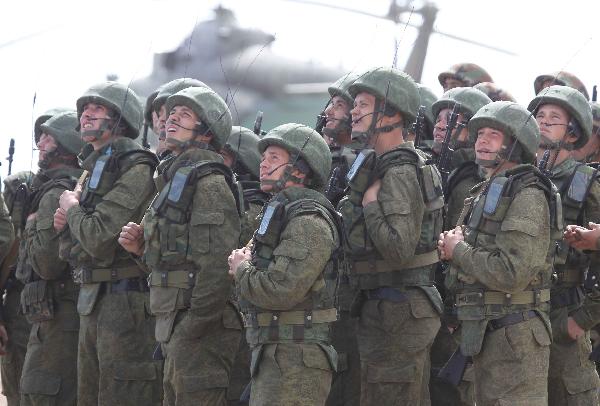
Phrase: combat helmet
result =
(468, 73)
(595, 113)
(172, 87)
(494, 92)
(123, 101)
(63, 128)
(213, 114)
(304, 145)
(340, 88)
(243, 145)
(574, 103)
(37, 131)
(516, 123)
(470, 99)
(560, 78)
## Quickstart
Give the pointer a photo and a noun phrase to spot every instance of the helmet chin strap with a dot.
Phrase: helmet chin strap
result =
(97, 134)
(363, 137)
(199, 130)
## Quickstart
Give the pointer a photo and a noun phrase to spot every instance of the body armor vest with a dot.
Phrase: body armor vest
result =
(370, 268)
(475, 303)
(308, 320)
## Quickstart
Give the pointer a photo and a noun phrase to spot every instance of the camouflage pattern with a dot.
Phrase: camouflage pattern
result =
(340, 87)
(115, 338)
(37, 129)
(427, 99)
(7, 232)
(471, 100)
(243, 145)
(119, 98)
(169, 89)
(469, 74)
(63, 128)
(494, 92)
(572, 376)
(574, 103)
(561, 78)
(49, 297)
(460, 183)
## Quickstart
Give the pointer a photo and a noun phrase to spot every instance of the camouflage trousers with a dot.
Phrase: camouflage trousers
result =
(512, 367)
(197, 368)
(116, 343)
(50, 369)
(18, 328)
(345, 386)
(240, 374)
(294, 374)
(394, 341)
(572, 377)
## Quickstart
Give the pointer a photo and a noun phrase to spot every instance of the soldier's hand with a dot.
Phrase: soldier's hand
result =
(236, 258)
(60, 219)
(574, 330)
(3, 339)
(371, 193)
(32, 216)
(582, 238)
(69, 199)
(441, 245)
(450, 240)
(131, 238)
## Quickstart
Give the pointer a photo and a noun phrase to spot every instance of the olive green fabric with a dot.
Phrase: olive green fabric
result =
(170, 88)
(63, 128)
(470, 99)
(7, 232)
(304, 142)
(561, 78)
(340, 87)
(428, 98)
(494, 92)
(119, 98)
(573, 102)
(460, 183)
(37, 129)
(243, 145)
(468, 73)
(210, 108)
(16, 206)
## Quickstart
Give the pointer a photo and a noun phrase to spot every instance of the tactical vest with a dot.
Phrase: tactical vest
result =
(369, 267)
(571, 265)
(475, 303)
(341, 161)
(308, 320)
(465, 170)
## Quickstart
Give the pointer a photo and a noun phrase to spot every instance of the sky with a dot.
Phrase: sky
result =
(50, 52)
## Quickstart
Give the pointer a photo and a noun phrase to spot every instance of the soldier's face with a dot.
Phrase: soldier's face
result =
(92, 117)
(155, 122)
(441, 123)
(180, 124)
(451, 83)
(362, 113)
(161, 117)
(553, 121)
(336, 111)
(45, 145)
(489, 143)
(273, 164)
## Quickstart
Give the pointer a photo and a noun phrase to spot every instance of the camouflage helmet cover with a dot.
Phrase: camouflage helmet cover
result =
(514, 121)
(395, 87)
(148, 107)
(468, 73)
(560, 78)
(340, 87)
(595, 111)
(573, 102)
(243, 143)
(302, 140)
(63, 128)
(470, 99)
(494, 92)
(37, 130)
(172, 87)
(210, 109)
(119, 98)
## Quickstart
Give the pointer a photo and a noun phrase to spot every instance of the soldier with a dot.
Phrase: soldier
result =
(500, 267)
(463, 75)
(345, 385)
(286, 284)
(187, 234)
(151, 124)
(590, 152)
(7, 237)
(392, 215)
(240, 153)
(426, 141)
(115, 337)
(561, 78)
(49, 297)
(565, 120)
(494, 92)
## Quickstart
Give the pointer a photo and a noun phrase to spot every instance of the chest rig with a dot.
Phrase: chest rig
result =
(369, 266)
(309, 319)
(571, 265)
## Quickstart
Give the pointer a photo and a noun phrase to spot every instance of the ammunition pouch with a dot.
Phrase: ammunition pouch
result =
(37, 303)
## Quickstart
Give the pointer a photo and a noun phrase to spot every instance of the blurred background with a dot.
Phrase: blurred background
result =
(277, 56)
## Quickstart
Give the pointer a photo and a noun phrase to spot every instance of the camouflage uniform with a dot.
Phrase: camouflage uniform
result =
(17, 326)
(7, 232)
(49, 298)
(391, 244)
(116, 343)
(287, 290)
(500, 273)
(573, 379)
(188, 236)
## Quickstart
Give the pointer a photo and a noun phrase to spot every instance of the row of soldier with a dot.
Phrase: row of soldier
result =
(339, 293)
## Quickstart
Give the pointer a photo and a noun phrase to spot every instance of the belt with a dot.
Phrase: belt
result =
(510, 319)
(299, 317)
(386, 293)
(382, 265)
(126, 285)
(502, 298)
(567, 297)
(85, 275)
(177, 279)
